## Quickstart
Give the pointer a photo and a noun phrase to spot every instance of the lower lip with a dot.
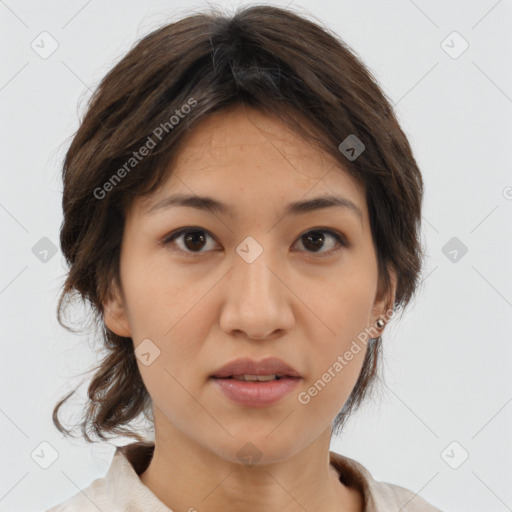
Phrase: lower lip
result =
(257, 394)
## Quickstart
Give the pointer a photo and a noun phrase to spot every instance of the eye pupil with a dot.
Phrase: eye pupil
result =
(192, 236)
(316, 236)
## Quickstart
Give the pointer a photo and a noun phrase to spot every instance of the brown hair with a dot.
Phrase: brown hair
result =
(262, 56)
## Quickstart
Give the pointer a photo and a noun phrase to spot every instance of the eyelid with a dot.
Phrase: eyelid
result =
(338, 236)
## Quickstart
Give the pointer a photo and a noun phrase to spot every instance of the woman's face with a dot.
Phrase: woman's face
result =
(253, 281)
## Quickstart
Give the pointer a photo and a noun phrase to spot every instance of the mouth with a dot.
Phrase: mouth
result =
(247, 369)
(251, 383)
(256, 378)
(256, 390)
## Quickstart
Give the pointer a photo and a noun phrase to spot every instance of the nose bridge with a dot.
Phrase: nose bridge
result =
(256, 281)
(254, 298)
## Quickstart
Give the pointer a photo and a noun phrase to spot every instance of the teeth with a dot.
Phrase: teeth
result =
(261, 378)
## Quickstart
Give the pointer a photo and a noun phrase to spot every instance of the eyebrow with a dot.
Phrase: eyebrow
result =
(206, 203)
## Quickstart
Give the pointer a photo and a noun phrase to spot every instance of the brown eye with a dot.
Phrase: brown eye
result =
(315, 240)
(190, 240)
(194, 241)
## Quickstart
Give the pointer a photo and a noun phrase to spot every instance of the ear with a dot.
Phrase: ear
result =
(383, 304)
(114, 312)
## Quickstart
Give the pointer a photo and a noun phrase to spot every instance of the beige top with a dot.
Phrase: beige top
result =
(122, 490)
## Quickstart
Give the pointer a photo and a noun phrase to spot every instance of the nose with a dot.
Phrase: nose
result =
(257, 299)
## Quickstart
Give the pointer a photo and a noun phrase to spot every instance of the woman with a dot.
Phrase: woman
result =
(242, 212)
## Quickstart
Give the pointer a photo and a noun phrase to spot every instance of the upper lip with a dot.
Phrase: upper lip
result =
(246, 366)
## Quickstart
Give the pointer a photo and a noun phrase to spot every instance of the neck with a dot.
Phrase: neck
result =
(185, 475)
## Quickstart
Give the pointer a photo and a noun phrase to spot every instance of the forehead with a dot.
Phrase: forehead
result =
(245, 154)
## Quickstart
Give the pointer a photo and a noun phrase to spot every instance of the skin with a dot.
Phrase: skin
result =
(303, 303)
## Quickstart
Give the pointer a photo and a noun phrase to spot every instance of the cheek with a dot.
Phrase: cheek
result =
(176, 372)
(343, 307)
(172, 392)
(159, 297)
(336, 369)
(332, 381)
(178, 329)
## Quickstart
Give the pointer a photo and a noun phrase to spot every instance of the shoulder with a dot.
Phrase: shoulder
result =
(91, 499)
(378, 496)
(121, 486)
(386, 494)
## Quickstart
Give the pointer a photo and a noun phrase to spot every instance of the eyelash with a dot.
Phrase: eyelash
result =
(171, 237)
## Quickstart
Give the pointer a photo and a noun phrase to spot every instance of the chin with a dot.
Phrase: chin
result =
(263, 448)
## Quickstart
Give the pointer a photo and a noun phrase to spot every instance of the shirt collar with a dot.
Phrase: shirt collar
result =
(123, 483)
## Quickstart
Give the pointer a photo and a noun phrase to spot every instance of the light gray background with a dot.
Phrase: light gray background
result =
(447, 363)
